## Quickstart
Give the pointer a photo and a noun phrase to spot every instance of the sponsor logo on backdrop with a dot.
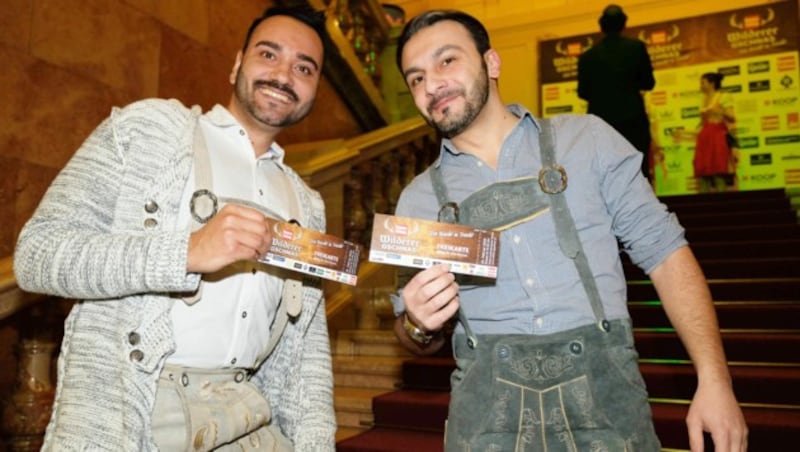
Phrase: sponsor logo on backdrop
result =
(574, 48)
(771, 122)
(727, 71)
(551, 93)
(663, 45)
(781, 101)
(786, 63)
(787, 83)
(748, 142)
(793, 120)
(782, 139)
(791, 157)
(566, 65)
(752, 33)
(758, 85)
(658, 97)
(666, 115)
(690, 112)
(674, 166)
(760, 159)
(555, 110)
(731, 89)
(757, 67)
(792, 176)
(763, 177)
(670, 131)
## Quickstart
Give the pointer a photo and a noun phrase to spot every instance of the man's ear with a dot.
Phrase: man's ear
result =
(236, 65)
(492, 59)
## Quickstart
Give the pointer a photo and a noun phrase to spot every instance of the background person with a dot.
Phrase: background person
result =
(716, 149)
(611, 76)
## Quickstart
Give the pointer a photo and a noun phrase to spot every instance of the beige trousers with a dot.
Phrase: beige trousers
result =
(213, 409)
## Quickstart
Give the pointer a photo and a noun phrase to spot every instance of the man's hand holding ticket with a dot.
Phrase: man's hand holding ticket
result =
(311, 252)
(411, 242)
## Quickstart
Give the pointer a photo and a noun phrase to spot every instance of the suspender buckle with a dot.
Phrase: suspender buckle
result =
(553, 179)
(203, 205)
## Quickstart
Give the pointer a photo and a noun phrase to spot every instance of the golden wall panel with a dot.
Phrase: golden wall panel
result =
(15, 23)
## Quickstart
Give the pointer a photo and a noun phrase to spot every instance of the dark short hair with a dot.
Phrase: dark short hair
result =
(613, 19)
(475, 28)
(715, 78)
(301, 12)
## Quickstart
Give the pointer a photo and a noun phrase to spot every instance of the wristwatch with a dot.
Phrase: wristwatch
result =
(416, 334)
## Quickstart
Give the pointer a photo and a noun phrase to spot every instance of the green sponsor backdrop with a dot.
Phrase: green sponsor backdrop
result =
(757, 50)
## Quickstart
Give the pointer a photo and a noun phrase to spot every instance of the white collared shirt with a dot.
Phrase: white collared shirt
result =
(230, 325)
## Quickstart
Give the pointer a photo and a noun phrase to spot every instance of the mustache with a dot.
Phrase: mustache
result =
(441, 96)
(282, 87)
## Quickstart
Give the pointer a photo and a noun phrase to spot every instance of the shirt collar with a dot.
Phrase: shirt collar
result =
(222, 118)
(518, 110)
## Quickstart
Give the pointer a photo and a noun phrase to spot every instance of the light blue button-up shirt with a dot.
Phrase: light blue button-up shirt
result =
(538, 290)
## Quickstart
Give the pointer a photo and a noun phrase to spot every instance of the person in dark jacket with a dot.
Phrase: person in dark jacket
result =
(611, 78)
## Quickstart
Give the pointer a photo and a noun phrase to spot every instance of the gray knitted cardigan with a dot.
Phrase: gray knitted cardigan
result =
(92, 239)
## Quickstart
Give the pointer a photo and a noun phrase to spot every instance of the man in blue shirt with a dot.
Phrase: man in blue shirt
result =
(545, 353)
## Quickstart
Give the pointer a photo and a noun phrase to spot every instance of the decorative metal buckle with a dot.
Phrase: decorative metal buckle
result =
(449, 210)
(193, 207)
(553, 179)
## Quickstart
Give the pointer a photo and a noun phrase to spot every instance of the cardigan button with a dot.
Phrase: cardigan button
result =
(134, 338)
(150, 206)
(150, 223)
(137, 355)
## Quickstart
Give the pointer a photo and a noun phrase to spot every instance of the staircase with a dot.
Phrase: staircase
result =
(748, 244)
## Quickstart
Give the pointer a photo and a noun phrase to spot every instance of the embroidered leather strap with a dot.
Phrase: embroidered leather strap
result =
(553, 181)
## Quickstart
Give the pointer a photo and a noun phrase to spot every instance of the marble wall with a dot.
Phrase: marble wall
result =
(69, 61)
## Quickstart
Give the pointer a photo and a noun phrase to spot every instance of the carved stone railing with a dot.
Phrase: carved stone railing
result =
(26, 410)
(356, 177)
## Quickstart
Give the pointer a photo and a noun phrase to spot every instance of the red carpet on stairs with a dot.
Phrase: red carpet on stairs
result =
(748, 244)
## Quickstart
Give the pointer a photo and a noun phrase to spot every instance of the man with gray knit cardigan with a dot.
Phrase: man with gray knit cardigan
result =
(183, 340)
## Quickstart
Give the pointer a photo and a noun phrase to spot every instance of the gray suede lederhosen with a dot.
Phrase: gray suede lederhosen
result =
(219, 409)
(576, 390)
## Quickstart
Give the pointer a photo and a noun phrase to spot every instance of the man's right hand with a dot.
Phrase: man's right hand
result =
(431, 298)
(235, 233)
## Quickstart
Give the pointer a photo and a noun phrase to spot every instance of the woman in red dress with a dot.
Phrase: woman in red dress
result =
(714, 156)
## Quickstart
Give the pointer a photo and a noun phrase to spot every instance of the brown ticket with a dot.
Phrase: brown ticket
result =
(412, 242)
(311, 252)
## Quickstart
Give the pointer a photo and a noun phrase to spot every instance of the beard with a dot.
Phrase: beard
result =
(266, 115)
(451, 124)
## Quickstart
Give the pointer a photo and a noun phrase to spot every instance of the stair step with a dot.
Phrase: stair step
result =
(752, 384)
(393, 440)
(754, 346)
(735, 232)
(770, 429)
(740, 267)
(734, 314)
(412, 409)
(723, 198)
(343, 433)
(355, 399)
(376, 372)
(777, 289)
(730, 205)
(758, 217)
(369, 342)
